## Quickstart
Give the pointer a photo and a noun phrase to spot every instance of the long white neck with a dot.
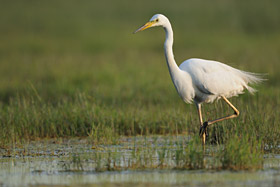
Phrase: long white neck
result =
(168, 45)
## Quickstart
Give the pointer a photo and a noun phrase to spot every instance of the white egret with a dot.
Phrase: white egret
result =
(202, 81)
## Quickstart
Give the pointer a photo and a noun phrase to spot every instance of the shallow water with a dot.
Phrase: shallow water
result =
(69, 162)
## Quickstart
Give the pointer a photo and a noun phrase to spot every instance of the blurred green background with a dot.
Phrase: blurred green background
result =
(69, 67)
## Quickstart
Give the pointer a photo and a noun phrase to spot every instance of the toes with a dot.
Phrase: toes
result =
(203, 129)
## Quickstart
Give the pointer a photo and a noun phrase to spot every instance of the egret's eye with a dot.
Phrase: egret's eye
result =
(156, 20)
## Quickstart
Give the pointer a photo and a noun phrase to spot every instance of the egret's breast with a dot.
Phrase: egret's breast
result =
(184, 87)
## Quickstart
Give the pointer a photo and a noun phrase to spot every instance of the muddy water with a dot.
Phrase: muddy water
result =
(68, 162)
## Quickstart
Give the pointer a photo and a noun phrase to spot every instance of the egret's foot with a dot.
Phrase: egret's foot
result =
(203, 129)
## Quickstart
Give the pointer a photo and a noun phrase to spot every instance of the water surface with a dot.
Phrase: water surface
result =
(74, 163)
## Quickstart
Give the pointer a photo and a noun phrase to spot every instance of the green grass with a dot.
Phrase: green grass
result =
(73, 69)
(242, 152)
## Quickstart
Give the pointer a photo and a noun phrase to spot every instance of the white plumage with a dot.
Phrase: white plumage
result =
(211, 79)
(197, 80)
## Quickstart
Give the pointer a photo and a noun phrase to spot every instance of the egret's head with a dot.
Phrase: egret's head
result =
(156, 20)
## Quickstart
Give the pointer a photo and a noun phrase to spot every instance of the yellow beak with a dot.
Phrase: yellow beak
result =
(147, 25)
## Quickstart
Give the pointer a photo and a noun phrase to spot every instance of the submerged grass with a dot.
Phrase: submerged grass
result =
(170, 153)
(194, 154)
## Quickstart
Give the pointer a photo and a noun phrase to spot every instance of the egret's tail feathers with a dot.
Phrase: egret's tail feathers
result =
(251, 90)
(252, 78)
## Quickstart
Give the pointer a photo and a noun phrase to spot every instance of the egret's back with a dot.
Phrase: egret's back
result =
(213, 79)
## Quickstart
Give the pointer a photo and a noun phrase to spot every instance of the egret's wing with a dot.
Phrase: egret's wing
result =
(203, 89)
(211, 77)
(222, 82)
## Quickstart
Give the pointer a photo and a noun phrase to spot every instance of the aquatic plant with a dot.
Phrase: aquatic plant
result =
(242, 152)
(194, 154)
